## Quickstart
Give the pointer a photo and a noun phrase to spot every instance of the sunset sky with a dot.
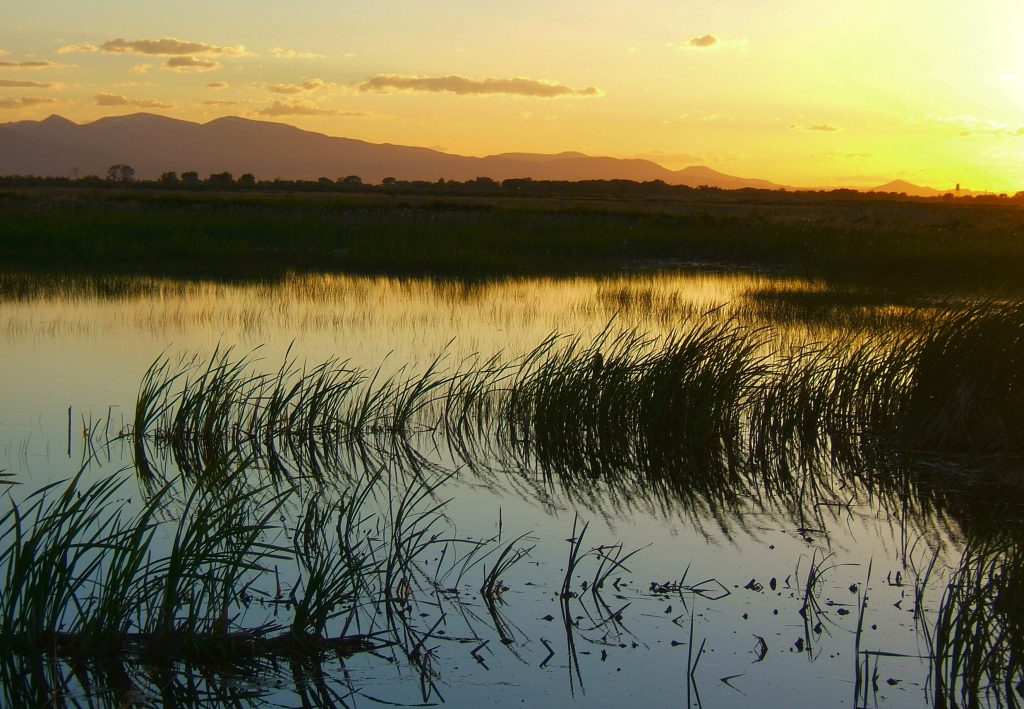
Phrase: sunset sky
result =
(801, 92)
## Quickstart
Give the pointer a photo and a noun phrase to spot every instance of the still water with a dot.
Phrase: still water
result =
(735, 599)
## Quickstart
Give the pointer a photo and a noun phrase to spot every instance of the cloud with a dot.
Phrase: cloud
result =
(220, 103)
(291, 89)
(169, 46)
(304, 108)
(466, 86)
(71, 48)
(12, 84)
(141, 69)
(702, 42)
(972, 125)
(25, 102)
(118, 100)
(851, 156)
(4, 52)
(218, 85)
(709, 42)
(817, 127)
(293, 54)
(28, 65)
(196, 64)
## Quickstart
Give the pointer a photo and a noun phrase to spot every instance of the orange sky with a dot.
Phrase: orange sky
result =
(805, 92)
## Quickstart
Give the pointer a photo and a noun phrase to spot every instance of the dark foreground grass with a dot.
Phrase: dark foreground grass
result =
(977, 645)
(260, 235)
(193, 575)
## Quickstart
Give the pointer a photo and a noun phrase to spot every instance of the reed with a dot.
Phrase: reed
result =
(869, 239)
(977, 644)
(708, 415)
(177, 580)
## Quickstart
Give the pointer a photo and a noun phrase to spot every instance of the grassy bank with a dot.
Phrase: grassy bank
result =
(211, 233)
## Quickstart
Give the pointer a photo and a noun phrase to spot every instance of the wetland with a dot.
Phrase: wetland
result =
(444, 469)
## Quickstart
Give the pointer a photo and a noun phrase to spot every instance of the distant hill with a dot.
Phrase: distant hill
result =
(154, 144)
(913, 190)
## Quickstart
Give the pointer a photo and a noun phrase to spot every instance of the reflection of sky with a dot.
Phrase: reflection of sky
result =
(64, 346)
(90, 353)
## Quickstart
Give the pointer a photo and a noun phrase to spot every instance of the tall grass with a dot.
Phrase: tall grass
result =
(195, 234)
(968, 381)
(978, 641)
(181, 578)
(708, 415)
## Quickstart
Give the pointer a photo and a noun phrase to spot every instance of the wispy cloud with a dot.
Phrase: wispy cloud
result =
(39, 64)
(292, 89)
(4, 52)
(119, 100)
(282, 53)
(72, 48)
(169, 46)
(466, 86)
(25, 102)
(972, 125)
(12, 84)
(141, 69)
(218, 85)
(187, 63)
(304, 108)
(849, 156)
(817, 128)
(220, 103)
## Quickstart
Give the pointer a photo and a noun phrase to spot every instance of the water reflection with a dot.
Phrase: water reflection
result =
(302, 305)
(776, 481)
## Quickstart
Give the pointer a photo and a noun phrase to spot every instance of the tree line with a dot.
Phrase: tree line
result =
(122, 175)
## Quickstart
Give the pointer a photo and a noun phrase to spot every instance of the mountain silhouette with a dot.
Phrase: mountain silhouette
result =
(906, 187)
(154, 144)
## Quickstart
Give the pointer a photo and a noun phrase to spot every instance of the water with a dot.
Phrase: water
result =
(720, 606)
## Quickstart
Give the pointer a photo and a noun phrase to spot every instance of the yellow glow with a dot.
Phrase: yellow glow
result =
(808, 93)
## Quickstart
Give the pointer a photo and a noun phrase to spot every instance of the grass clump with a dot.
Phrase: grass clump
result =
(978, 640)
(710, 414)
(180, 579)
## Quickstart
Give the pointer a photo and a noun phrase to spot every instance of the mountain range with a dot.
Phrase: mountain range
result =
(154, 144)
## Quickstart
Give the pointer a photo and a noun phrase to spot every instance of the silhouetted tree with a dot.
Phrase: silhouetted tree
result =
(170, 179)
(221, 178)
(352, 180)
(389, 182)
(120, 173)
(190, 178)
(247, 180)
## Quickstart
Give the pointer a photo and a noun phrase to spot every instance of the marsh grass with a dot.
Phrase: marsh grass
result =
(978, 640)
(190, 577)
(196, 233)
(707, 416)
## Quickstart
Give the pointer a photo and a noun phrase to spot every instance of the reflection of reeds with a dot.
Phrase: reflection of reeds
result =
(708, 415)
(84, 580)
